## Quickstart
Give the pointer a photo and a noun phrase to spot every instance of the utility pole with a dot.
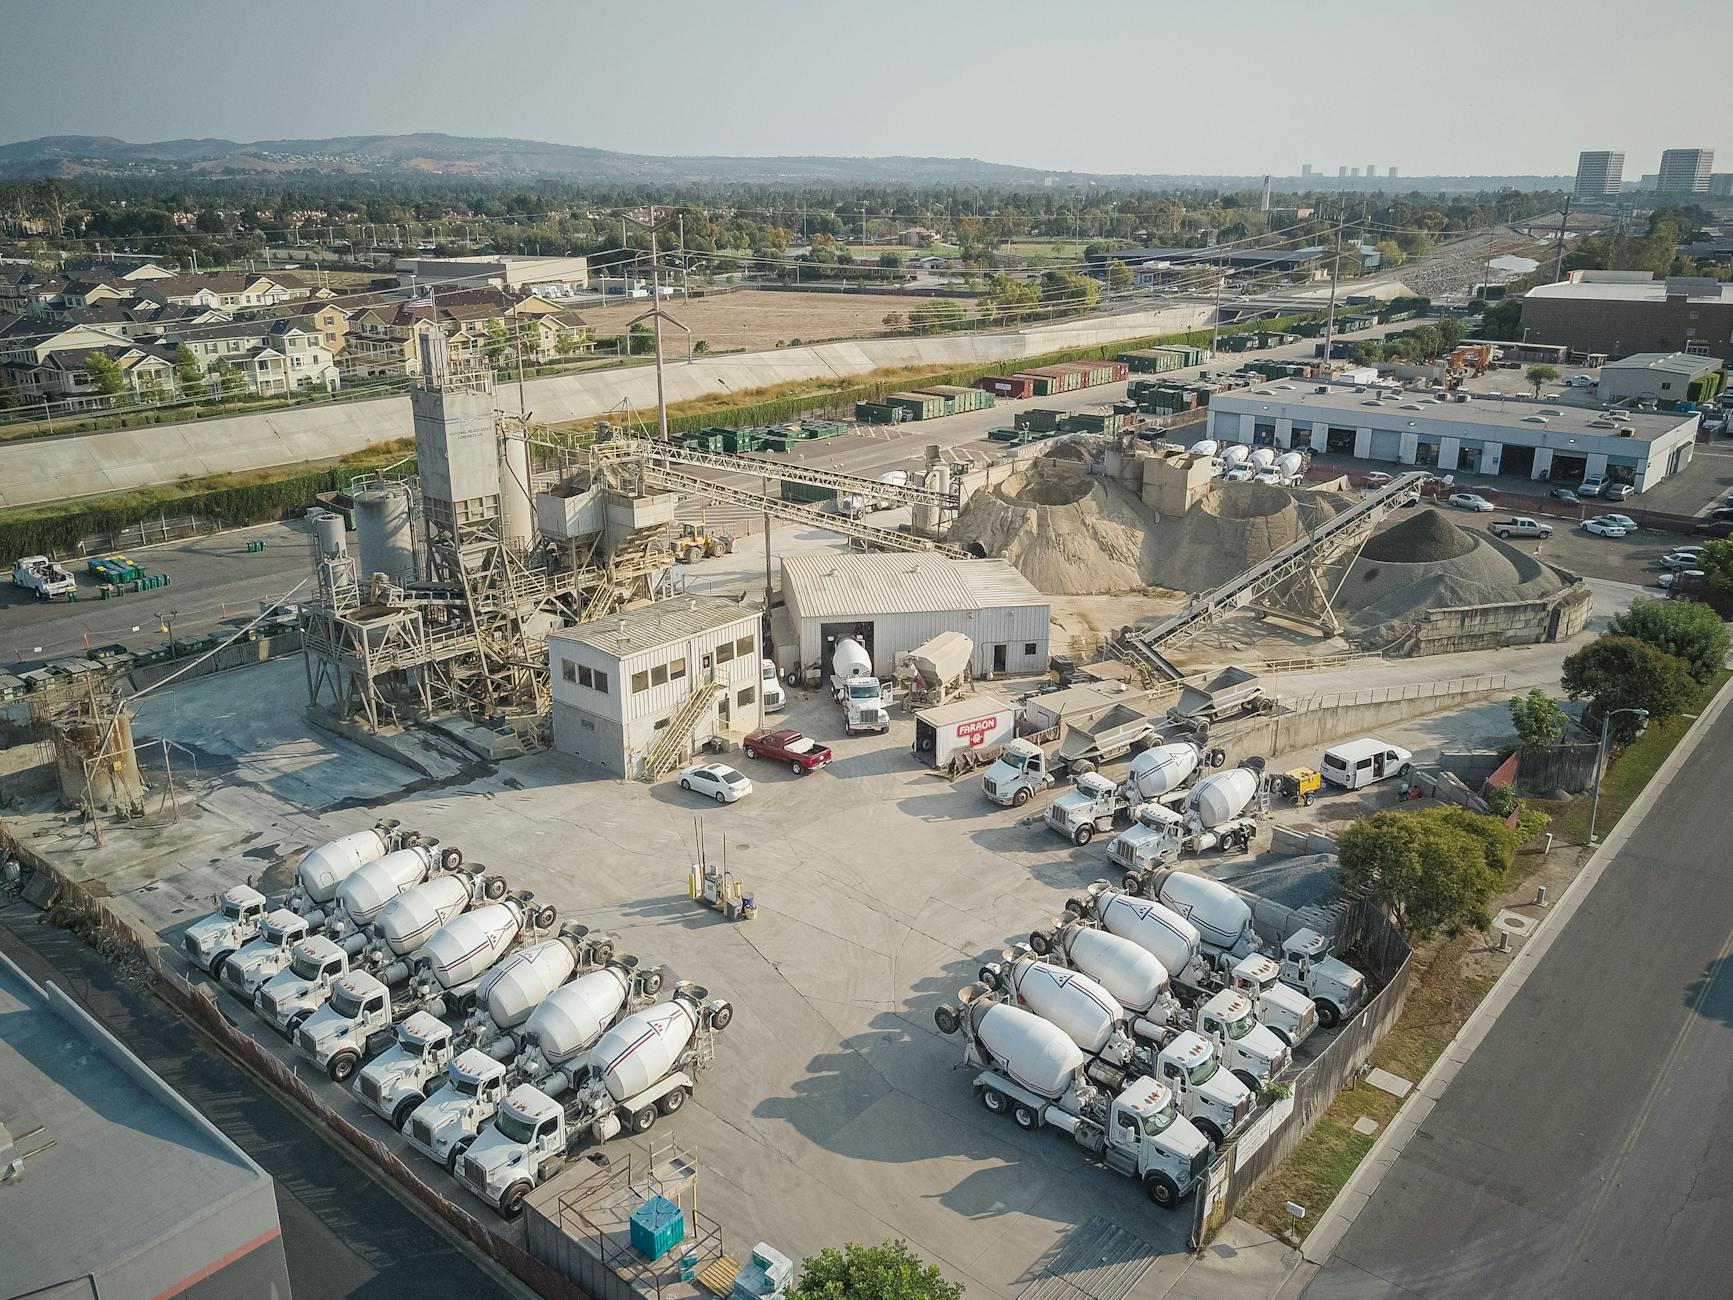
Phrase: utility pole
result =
(652, 224)
(1558, 248)
(1215, 329)
(1335, 265)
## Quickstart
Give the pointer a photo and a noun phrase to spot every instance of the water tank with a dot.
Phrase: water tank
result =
(1153, 926)
(1233, 455)
(329, 865)
(1223, 796)
(365, 893)
(572, 1018)
(512, 989)
(515, 509)
(1221, 916)
(850, 659)
(464, 947)
(332, 533)
(1087, 1012)
(642, 1048)
(1161, 769)
(1261, 456)
(383, 535)
(415, 915)
(1029, 1050)
(1134, 975)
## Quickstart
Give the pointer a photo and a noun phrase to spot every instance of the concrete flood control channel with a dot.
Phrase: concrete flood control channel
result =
(834, 1111)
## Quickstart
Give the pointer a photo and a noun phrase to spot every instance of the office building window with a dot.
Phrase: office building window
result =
(568, 670)
(640, 682)
(746, 696)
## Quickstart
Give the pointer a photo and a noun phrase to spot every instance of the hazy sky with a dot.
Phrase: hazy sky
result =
(1230, 86)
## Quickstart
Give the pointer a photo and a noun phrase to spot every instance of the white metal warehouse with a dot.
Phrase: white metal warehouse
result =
(893, 603)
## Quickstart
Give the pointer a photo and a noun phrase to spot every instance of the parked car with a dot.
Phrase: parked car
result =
(788, 746)
(1668, 579)
(1618, 491)
(1521, 526)
(1716, 529)
(1567, 495)
(1623, 521)
(1602, 527)
(1470, 501)
(1582, 381)
(1592, 486)
(1377, 478)
(1683, 557)
(721, 782)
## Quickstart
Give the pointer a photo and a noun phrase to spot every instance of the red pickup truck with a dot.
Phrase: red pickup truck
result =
(801, 754)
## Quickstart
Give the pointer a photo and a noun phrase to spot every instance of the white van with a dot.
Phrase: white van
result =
(1361, 762)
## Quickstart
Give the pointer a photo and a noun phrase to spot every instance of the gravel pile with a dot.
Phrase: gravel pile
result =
(1424, 537)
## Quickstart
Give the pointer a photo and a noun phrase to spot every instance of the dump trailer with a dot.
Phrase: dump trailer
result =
(1114, 734)
(1231, 693)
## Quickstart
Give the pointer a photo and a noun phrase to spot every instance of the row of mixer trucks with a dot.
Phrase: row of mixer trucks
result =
(454, 1009)
(1235, 462)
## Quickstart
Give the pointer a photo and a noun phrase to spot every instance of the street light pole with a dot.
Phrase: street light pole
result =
(1601, 765)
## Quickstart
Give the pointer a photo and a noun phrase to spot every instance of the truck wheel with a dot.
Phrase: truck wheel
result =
(990, 977)
(218, 962)
(494, 888)
(1405, 769)
(945, 1017)
(994, 1100)
(1082, 767)
(924, 744)
(1329, 1016)
(451, 858)
(1039, 943)
(401, 1111)
(651, 983)
(1083, 835)
(1211, 1131)
(1216, 757)
(1249, 1079)
(799, 769)
(295, 1022)
(512, 1203)
(1021, 797)
(1025, 1117)
(1284, 1035)
(720, 1018)
(1162, 1190)
(749, 751)
(342, 1066)
(546, 916)
(1133, 882)
(671, 1102)
(456, 1154)
(641, 1120)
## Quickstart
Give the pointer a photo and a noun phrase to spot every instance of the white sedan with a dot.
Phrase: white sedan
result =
(1470, 501)
(1603, 527)
(1684, 558)
(1621, 521)
(1668, 579)
(721, 782)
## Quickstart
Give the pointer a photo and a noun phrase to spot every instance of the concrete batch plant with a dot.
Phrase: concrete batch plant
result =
(110, 1184)
(893, 603)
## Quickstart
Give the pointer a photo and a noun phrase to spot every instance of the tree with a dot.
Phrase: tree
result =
(189, 374)
(498, 342)
(891, 261)
(1450, 333)
(1435, 869)
(1502, 321)
(1118, 275)
(1538, 375)
(887, 1272)
(1688, 631)
(105, 374)
(567, 343)
(1391, 253)
(1069, 292)
(936, 316)
(1427, 341)
(1717, 565)
(229, 382)
(1621, 672)
(1538, 719)
(210, 222)
(150, 391)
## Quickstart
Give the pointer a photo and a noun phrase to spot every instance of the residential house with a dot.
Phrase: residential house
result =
(231, 291)
(64, 378)
(30, 340)
(273, 355)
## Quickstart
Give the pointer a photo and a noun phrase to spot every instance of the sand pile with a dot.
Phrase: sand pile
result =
(1426, 562)
(1073, 534)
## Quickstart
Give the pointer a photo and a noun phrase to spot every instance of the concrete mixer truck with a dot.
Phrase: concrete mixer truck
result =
(1157, 774)
(328, 866)
(210, 942)
(866, 701)
(645, 1066)
(441, 978)
(1130, 972)
(1091, 1017)
(1221, 811)
(1032, 1072)
(247, 971)
(399, 1079)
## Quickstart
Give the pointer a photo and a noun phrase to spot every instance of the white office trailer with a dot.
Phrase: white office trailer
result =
(894, 602)
(620, 682)
(1473, 433)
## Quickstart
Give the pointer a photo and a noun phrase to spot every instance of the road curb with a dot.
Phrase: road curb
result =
(1334, 1223)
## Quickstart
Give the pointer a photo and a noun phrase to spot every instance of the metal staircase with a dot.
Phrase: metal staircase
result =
(674, 744)
(1293, 582)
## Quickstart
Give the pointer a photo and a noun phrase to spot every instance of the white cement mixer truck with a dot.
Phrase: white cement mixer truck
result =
(645, 1066)
(465, 1103)
(329, 865)
(1130, 972)
(1032, 1072)
(248, 970)
(1336, 988)
(866, 701)
(210, 942)
(1221, 811)
(1158, 774)
(412, 1069)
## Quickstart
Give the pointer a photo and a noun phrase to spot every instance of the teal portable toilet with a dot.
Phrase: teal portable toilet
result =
(658, 1225)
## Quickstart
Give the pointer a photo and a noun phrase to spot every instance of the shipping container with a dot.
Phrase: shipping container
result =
(879, 413)
(735, 441)
(807, 493)
(962, 399)
(920, 406)
(1092, 422)
(1151, 361)
(1038, 420)
(1012, 386)
(778, 441)
(819, 429)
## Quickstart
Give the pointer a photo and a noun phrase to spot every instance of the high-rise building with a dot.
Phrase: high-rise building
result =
(1721, 185)
(1305, 171)
(1392, 173)
(1341, 173)
(1371, 171)
(1685, 171)
(1353, 171)
(1600, 174)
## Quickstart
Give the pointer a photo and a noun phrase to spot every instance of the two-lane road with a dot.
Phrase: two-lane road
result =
(1586, 1149)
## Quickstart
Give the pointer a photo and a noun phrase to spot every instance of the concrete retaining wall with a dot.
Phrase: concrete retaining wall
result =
(1325, 720)
(51, 469)
(1489, 627)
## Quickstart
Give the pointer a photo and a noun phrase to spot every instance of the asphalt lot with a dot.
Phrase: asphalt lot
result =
(344, 1233)
(1583, 1150)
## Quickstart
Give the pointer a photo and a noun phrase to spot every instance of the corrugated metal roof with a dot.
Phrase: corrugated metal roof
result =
(836, 585)
(1676, 363)
(963, 710)
(657, 623)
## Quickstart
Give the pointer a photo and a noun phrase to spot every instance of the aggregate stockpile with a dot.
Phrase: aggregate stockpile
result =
(1426, 562)
(1073, 534)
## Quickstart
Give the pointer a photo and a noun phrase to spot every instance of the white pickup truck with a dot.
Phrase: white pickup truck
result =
(1520, 526)
(42, 577)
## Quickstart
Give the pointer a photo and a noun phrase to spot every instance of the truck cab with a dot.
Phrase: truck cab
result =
(1336, 988)
(1148, 1139)
(1248, 1049)
(770, 689)
(525, 1144)
(1287, 1013)
(1211, 1098)
(448, 1121)
(291, 996)
(211, 942)
(248, 970)
(1091, 807)
(1019, 771)
(1153, 839)
(396, 1082)
(866, 703)
(355, 1019)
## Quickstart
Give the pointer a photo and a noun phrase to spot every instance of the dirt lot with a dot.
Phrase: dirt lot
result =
(755, 319)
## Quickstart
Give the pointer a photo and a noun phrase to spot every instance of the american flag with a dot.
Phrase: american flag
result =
(426, 300)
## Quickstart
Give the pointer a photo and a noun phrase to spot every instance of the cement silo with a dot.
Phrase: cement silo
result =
(383, 533)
